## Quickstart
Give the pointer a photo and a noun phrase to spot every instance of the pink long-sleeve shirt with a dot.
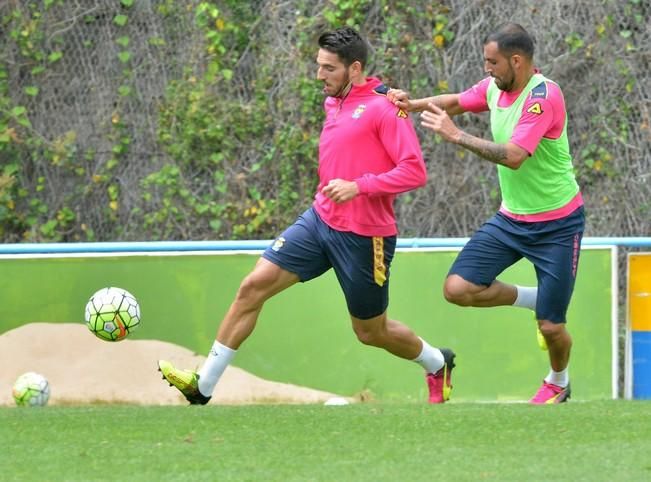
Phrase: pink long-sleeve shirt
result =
(367, 139)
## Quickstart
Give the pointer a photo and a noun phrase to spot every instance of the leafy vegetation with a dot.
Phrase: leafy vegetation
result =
(200, 120)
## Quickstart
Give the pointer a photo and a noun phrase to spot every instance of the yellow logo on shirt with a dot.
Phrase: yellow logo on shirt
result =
(402, 114)
(535, 109)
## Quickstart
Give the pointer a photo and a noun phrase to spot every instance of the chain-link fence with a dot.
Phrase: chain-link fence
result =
(100, 96)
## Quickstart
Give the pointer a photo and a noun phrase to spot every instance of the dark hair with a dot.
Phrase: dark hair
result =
(347, 44)
(511, 38)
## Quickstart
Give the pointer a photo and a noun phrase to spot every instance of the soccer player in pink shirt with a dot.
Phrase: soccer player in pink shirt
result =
(541, 217)
(368, 154)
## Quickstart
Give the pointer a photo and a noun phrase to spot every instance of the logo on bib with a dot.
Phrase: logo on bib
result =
(535, 109)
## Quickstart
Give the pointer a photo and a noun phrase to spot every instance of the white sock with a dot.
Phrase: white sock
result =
(218, 359)
(526, 297)
(430, 358)
(561, 379)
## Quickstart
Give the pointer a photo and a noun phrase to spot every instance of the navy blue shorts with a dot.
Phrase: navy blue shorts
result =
(552, 246)
(310, 247)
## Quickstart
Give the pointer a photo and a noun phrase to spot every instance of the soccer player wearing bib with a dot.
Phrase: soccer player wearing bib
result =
(368, 154)
(541, 216)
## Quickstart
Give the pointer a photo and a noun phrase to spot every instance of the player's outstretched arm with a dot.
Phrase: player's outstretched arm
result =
(447, 102)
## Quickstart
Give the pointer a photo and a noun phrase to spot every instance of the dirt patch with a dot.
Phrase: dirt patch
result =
(82, 369)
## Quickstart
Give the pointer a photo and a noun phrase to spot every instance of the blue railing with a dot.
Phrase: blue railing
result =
(255, 245)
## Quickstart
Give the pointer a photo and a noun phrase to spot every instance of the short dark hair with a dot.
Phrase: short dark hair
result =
(347, 44)
(512, 38)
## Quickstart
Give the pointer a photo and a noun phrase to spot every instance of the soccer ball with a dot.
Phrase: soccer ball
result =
(112, 313)
(31, 390)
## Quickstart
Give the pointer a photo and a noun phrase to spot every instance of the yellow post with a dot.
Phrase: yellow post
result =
(639, 316)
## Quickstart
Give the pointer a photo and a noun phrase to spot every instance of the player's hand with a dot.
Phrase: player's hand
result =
(400, 99)
(437, 120)
(340, 191)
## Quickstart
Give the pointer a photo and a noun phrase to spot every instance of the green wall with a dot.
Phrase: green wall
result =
(304, 336)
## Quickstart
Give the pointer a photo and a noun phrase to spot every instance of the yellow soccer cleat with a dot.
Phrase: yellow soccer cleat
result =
(185, 381)
(542, 343)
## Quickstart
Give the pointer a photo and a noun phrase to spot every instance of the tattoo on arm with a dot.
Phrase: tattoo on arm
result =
(495, 153)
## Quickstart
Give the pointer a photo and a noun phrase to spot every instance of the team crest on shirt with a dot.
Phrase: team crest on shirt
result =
(359, 111)
(278, 243)
(402, 114)
(535, 109)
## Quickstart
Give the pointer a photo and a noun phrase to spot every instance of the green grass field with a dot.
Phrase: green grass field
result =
(592, 441)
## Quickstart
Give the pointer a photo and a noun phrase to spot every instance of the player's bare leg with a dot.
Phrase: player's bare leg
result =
(559, 343)
(399, 340)
(393, 336)
(266, 280)
(556, 385)
(464, 293)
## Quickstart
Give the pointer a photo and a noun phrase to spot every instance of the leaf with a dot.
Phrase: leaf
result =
(124, 56)
(126, 3)
(156, 41)
(18, 110)
(123, 41)
(124, 90)
(120, 20)
(54, 56)
(49, 227)
(31, 90)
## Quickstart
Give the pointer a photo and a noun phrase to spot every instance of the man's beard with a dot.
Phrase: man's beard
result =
(344, 89)
(507, 87)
